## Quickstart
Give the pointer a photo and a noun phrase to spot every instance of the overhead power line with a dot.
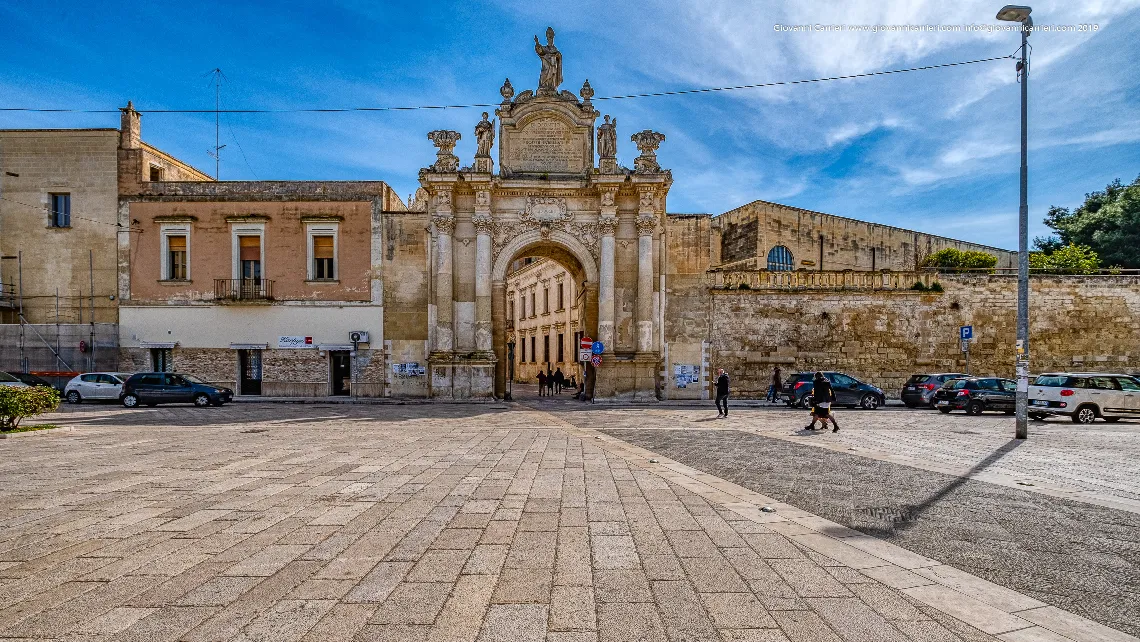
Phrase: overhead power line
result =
(73, 216)
(683, 92)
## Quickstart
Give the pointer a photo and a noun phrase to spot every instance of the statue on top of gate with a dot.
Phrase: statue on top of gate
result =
(551, 75)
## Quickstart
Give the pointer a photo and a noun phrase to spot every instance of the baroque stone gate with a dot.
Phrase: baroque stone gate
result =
(604, 222)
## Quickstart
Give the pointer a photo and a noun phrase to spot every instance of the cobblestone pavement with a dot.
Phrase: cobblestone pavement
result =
(444, 522)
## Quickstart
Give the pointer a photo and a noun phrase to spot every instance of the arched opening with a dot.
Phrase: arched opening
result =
(780, 259)
(544, 299)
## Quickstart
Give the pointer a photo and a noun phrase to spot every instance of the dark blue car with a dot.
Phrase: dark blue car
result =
(153, 388)
(849, 391)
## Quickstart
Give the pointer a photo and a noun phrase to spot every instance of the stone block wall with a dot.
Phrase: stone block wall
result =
(882, 337)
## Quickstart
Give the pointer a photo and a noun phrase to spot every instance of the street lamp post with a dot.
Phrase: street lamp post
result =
(510, 370)
(1017, 13)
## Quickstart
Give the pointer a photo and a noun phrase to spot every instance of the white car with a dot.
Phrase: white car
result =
(95, 386)
(10, 381)
(1084, 396)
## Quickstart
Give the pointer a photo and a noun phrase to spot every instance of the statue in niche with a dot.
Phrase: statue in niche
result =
(607, 138)
(551, 75)
(484, 136)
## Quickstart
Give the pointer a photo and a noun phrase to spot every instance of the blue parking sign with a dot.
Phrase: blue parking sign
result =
(966, 332)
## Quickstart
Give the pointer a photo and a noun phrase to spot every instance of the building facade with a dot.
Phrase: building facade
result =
(542, 319)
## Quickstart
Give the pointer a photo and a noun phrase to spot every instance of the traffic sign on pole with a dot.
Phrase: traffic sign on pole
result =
(596, 360)
(584, 355)
(597, 347)
(966, 332)
(585, 343)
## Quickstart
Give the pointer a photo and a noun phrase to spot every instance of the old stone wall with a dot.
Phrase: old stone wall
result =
(819, 241)
(407, 290)
(882, 337)
(63, 260)
(687, 303)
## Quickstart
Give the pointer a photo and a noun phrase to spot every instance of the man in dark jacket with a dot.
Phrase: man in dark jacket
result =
(822, 398)
(774, 387)
(541, 383)
(721, 393)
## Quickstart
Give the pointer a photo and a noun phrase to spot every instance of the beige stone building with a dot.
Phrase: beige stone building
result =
(543, 306)
(770, 236)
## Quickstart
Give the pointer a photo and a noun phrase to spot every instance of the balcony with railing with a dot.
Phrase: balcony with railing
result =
(243, 290)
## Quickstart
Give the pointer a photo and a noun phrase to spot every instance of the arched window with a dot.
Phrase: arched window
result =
(780, 259)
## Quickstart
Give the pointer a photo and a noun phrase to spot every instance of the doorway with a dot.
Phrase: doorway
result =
(340, 372)
(249, 365)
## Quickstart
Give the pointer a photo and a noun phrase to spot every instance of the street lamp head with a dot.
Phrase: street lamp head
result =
(1014, 13)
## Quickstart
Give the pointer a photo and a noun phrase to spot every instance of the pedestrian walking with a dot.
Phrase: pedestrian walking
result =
(559, 380)
(822, 398)
(721, 393)
(774, 388)
(541, 383)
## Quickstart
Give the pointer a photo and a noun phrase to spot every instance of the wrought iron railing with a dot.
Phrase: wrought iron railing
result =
(243, 289)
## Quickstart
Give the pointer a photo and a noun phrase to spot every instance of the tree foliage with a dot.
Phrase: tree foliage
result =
(16, 403)
(1071, 259)
(954, 259)
(1108, 223)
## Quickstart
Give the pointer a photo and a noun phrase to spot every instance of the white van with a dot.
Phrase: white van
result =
(1084, 396)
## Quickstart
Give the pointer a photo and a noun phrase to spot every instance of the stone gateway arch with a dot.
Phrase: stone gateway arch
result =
(603, 222)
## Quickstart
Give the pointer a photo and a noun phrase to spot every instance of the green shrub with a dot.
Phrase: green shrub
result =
(955, 259)
(17, 403)
(936, 287)
(919, 286)
(1071, 259)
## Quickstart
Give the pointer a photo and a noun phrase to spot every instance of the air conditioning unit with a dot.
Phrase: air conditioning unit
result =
(359, 336)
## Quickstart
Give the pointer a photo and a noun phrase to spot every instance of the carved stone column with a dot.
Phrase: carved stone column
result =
(483, 231)
(646, 225)
(607, 227)
(444, 221)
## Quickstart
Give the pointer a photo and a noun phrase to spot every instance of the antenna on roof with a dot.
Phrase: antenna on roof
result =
(216, 152)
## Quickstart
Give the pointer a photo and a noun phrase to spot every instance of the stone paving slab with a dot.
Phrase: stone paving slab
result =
(266, 522)
(1079, 556)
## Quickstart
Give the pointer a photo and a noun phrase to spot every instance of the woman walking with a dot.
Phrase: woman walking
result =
(822, 398)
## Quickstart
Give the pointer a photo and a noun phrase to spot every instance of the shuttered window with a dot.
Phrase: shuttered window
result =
(323, 263)
(250, 256)
(176, 259)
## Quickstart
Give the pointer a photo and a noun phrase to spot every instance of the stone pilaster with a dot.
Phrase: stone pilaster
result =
(483, 231)
(607, 227)
(646, 226)
(444, 221)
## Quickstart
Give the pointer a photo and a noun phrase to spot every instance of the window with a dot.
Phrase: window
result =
(1129, 385)
(176, 258)
(156, 173)
(842, 380)
(174, 380)
(532, 308)
(323, 258)
(108, 379)
(522, 306)
(546, 300)
(89, 378)
(780, 259)
(150, 380)
(546, 348)
(522, 350)
(1102, 383)
(1007, 385)
(61, 210)
(561, 350)
(561, 300)
(988, 384)
(161, 359)
(533, 358)
(511, 309)
(250, 257)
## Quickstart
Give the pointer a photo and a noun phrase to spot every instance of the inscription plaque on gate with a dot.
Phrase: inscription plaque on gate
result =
(546, 145)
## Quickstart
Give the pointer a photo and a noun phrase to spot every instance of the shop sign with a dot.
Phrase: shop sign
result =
(294, 342)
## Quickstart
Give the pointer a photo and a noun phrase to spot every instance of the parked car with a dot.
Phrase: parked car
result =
(1084, 396)
(31, 379)
(849, 391)
(95, 386)
(8, 380)
(975, 395)
(919, 389)
(153, 388)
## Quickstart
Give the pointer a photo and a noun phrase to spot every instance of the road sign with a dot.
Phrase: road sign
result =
(597, 347)
(585, 343)
(596, 360)
(584, 355)
(966, 332)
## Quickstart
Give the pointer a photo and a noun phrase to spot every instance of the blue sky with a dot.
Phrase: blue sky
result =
(935, 151)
